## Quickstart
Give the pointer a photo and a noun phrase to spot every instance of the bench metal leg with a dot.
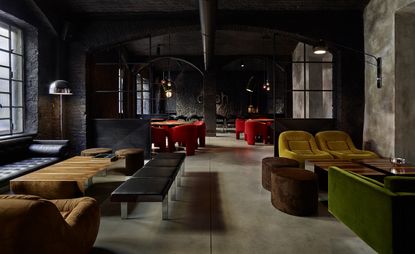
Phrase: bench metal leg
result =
(182, 168)
(173, 191)
(124, 210)
(178, 180)
(165, 208)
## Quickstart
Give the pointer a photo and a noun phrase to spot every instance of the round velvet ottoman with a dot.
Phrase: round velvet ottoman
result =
(134, 159)
(95, 151)
(294, 191)
(270, 163)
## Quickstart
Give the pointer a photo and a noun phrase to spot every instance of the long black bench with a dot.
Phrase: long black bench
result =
(22, 155)
(152, 183)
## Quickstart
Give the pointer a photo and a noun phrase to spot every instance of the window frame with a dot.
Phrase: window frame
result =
(13, 81)
(305, 90)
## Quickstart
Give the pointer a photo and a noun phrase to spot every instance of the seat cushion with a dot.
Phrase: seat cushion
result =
(338, 145)
(299, 145)
(19, 168)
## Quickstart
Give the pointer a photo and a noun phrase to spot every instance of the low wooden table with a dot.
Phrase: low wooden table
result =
(66, 179)
(321, 167)
(386, 166)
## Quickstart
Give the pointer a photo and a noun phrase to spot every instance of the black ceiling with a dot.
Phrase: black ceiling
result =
(145, 6)
(227, 42)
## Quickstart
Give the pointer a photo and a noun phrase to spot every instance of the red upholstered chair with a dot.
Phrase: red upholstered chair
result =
(201, 132)
(186, 134)
(239, 127)
(158, 137)
(254, 129)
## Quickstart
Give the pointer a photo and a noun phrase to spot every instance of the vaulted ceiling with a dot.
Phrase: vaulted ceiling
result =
(212, 39)
(139, 6)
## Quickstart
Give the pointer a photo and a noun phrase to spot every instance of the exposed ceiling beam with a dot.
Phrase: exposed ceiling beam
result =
(207, 10)
(36, 8)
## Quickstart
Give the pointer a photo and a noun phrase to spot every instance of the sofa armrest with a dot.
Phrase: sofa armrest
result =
(400, 183)
(49, 148)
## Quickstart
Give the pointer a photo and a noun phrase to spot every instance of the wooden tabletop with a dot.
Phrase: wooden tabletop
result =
(170, 123)
(386, 166)
(343, 164)
(78, 168)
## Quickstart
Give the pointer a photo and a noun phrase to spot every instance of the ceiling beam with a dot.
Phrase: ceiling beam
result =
(207, 10)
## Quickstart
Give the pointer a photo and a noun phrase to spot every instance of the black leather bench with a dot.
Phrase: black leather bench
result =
(22, 155)
(152, 183)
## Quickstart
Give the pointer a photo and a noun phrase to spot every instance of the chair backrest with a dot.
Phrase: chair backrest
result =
(301, 141)
(184, 133)
(334, 141)
(158, 134)
(29, 223)
(201, 128)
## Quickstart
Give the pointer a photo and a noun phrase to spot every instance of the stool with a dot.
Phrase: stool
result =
(270, 163)
(95, 151)
(134, 159)
(294, 191)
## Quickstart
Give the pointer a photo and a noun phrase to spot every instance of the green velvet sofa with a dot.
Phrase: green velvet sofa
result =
(381, 214)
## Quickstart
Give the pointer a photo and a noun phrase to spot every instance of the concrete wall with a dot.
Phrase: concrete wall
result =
(383, 125)
(404, 84)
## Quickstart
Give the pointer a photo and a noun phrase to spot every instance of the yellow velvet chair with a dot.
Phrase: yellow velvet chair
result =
(340, 145)
(30, 224)
(300, 146)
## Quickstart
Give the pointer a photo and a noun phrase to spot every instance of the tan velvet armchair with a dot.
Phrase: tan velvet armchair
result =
(30, 224)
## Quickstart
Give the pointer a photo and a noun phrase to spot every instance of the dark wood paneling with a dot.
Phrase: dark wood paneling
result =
(122, 133)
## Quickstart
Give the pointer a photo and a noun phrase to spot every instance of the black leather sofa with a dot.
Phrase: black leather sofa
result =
(19, 156)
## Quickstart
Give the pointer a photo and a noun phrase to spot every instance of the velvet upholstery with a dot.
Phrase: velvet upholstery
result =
(185, 134)
(201, 132)
(254, 129)
(294, 191)
(31, 224)
(379, 216)
(239, 127)
(134, 159)
(158, 137)
(273, 163)
(340, 145)
(300, 146)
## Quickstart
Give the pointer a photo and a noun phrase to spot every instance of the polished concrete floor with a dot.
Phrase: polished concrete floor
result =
(222, 208)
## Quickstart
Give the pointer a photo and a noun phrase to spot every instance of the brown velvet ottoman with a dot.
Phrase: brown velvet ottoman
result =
(134, 159)
(95, 151)
(271, 163)
(294, 191)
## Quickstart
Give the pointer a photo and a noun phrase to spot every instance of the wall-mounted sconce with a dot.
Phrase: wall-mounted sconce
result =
(322, 47)
(250, 85)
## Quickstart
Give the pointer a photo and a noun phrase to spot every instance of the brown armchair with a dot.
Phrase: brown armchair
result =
(30, 224)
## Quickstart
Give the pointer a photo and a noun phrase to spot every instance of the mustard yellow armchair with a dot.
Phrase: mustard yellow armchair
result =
(300, 146)
(340, 145)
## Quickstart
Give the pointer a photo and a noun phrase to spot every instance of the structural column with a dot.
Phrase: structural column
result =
(209, 103)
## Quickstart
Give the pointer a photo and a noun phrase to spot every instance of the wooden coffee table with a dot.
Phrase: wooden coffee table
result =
(321, 167)
(386, 166)
(66, 179)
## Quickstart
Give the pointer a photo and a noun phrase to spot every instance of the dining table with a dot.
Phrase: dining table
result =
(169, 123)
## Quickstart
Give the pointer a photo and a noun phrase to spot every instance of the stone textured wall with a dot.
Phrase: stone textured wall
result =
(404, 84)
(380, 111)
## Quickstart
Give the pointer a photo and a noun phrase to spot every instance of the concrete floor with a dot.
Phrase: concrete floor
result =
(222, 208)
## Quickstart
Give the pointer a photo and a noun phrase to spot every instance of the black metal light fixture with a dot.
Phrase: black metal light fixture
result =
(61, 88)
(250, 85)
(322, 47)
